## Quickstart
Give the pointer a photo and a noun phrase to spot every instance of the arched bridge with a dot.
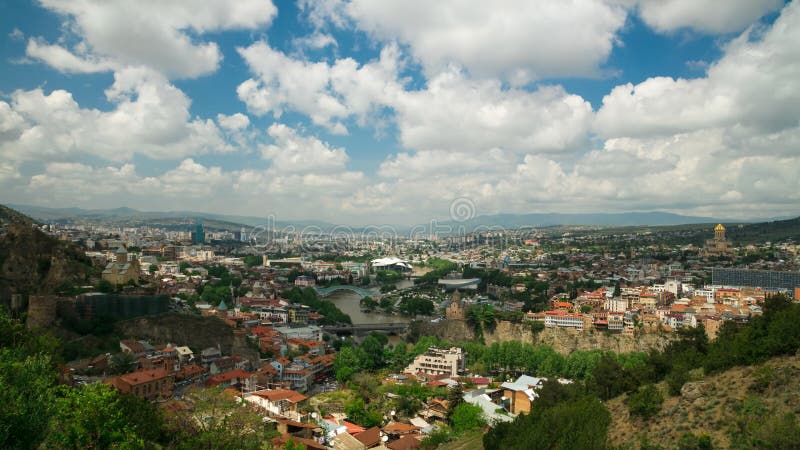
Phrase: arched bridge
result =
(363, 328)
(326, 291)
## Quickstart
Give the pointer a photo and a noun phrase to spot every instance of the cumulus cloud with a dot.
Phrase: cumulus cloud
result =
(64, 60)
(234, 122)
(709, 16)
(756, 83)
(515, 40)
(455, 113)
(328, 94)
(292, 153)
(150, 117)
(316, 41)
(161, 35)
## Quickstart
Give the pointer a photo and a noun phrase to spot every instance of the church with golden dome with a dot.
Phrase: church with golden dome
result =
(720, 245)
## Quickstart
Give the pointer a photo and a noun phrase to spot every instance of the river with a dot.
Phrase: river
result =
(349, 303)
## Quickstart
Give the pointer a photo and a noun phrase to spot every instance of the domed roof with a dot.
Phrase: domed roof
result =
(719, 227)
(222, 306)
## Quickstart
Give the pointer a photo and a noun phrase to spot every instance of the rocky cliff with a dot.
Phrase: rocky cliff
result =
(565, 341)
(193, 331)
(562, 340)
(32, 262)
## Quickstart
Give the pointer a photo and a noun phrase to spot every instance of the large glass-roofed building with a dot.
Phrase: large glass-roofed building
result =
(767, 279)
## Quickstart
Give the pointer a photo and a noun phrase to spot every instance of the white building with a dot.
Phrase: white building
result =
(439, 361)
(563, 319)
(391, 263)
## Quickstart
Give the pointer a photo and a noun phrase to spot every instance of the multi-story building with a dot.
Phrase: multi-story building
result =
(767, 279)
(439, 361)
(563, 319)
(149, 384)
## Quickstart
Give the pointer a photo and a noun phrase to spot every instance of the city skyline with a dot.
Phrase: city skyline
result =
(356, 112)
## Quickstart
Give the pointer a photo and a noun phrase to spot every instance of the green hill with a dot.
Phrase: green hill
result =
(743, 407)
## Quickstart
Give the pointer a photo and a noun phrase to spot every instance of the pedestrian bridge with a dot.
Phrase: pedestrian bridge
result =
(326, 291)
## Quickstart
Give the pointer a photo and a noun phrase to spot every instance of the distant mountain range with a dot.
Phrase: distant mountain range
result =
(131, 216)
(599, 219)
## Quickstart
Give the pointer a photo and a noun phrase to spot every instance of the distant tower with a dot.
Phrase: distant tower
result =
(455, 310)
(719, 246)
(199, 236)
(243, 235)
(122, 255)
(719, 232)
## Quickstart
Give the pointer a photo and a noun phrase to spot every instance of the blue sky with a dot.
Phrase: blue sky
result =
(390, 111)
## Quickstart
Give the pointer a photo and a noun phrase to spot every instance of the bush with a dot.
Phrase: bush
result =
(677, 377)
(467, 417)
(691, 442)
(646, 402)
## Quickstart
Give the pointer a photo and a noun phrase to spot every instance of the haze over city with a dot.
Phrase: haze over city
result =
(356, 111)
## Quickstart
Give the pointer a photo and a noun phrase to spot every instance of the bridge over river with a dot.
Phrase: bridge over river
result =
(326, 291)
(364, 328)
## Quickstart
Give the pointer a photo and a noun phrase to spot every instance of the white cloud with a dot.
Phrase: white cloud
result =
(455, 113)
(316, 41)
(327, 94)
(516, 40)
(65, 61)
(234, 122)
(292, 153)
(161, 35)
(755, 84)
(425, 164)
(709, 16)
(451, 113)
(191, 179)
(150, 117)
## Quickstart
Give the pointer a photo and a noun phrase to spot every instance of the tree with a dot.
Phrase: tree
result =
(565, 417)
(90, 417)
(467, 417)
(358, 413)
(368, 303)
(26, 390)
(216, 419)
(105, 286)
(646, 402)
(609, 379)
(122, 362)
(454, 398)
(346, 364)
(677, 377)
(152, 269)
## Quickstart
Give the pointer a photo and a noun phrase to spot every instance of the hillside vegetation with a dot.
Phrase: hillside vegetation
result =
(743, 407)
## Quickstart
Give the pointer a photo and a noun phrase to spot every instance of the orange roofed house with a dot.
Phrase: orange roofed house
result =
(149, 384)
(278, 402)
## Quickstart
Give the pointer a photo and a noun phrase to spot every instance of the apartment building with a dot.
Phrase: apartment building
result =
(439, 361)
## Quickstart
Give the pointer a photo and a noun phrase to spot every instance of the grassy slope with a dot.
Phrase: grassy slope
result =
(725, 402)
(472, 440)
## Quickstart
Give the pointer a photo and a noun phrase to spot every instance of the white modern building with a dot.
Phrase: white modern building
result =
(391, 263)
(439, 361)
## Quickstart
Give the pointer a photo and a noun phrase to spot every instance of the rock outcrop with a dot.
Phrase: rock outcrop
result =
(564, 341)
(33, 263)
